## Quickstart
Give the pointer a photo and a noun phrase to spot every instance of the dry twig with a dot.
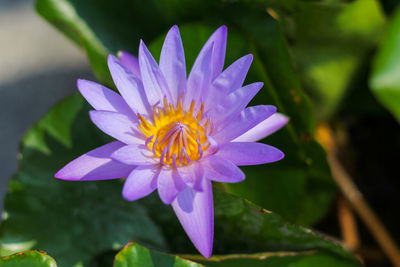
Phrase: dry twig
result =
(357, 201)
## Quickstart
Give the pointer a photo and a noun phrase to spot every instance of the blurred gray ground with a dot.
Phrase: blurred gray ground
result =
(38, 67)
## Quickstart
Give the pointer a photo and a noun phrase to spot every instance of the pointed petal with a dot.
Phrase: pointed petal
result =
(218, 169)
(199, 79)
(130, 62)
(246, 120)
(264, 128)
(129, 86)
(102, 98)
(134, 154)
(116, 125)
(153, 80)
(141, 182)
(233, 77)
(233, 104)
(228, 81)
(245, 153)
(95, 165)
(218, 55)
(169, 185)
(195, 212)
(172, 63)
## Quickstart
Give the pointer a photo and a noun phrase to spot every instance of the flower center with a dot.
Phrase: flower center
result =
(177, 136)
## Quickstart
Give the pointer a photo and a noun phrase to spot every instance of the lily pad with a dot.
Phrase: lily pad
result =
(277, 259)
(243, 227)
(134, 255)
(28, 259)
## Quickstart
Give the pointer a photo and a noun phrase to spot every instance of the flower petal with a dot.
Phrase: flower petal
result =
(95, 165)
(228, 81)
(199, 79)
(134, 154)
(218, 55)
(192, 175)
(246, 120)
(233, 77)
(129, 86)
(130, 62)
(245, 153)
(102, 98)
(116, 125)
(231, 106)
(195, 212)
(141, 182)
(218, 169)
(172, 63)
(153, 80)
(264, 128)
(169, 185)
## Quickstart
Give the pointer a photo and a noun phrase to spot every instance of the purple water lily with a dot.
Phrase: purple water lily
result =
(177, 134)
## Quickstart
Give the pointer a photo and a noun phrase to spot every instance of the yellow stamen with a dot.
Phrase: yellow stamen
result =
(174, 135)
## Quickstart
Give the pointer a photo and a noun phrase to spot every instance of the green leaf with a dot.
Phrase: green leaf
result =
(329, 44)
(255, 227)
(244, 227)
(134, 255)
(56, 123)
(300, 187)
(28, 259)
(385, 77)
(72, 221)
(278, 259)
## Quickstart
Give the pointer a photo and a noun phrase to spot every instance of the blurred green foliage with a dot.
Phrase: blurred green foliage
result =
(385, 78)
(329, 45)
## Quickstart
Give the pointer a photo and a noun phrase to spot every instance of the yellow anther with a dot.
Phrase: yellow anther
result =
(176, 136)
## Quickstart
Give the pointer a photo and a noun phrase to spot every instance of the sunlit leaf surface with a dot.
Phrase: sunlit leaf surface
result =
(134, 255)
(28, 259)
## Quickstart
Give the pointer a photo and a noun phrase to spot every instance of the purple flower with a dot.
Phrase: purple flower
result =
(177, 134)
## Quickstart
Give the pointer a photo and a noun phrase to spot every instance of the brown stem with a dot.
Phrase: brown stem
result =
(348, 224)
(360, 205)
